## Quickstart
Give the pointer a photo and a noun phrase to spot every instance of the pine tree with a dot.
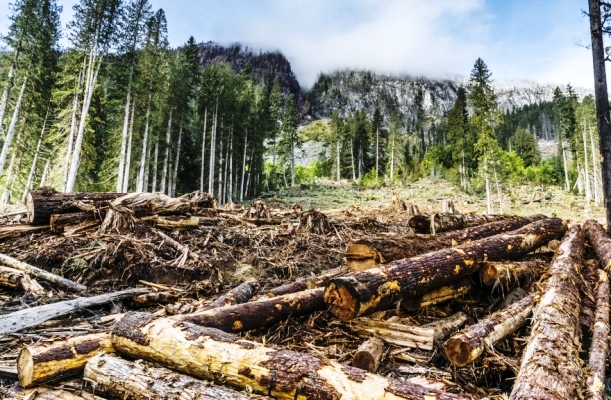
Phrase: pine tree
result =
(526, 147)
(290, 140)
(459, 136)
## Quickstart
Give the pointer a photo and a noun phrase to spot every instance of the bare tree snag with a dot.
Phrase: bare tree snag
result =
(18, 320)
(361, 293)
(443, 222)
(506, 272)
(63, 283)
(46, 362)
(13, 278)
(369, 354)
(452, 291)
(600, 241)
(212, 354)
(550, 367)
(367, 253)
(255, 314)
(416, 337)
(599, 350)
(239, 294)
(119, 378)
(43, 202)
(465, 347)
(444, 327)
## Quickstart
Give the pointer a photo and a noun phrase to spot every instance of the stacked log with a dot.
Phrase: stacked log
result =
(363, 292)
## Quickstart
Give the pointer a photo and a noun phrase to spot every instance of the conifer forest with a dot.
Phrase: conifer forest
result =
(191, 222)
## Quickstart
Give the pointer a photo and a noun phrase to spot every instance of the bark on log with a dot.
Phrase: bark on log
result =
(444, 327)
(600, 241)
(41, 273)
(550, 367)
(43, 202)
(465, 347)
(238, 295)
(360, 293)
(450, 222)
(599, 350)
(13, 278)
(507, 272)
(452, 291)
(47, 393)
(369, 354)
(293, 287)
(366, 253)
(14, 322)
(255, 314)
(124, 379)
(46, 362)
(60, 221)
(212, 354)
(154, 298)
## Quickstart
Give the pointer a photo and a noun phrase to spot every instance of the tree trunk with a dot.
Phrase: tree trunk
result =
(488, 195)
(586, 165)
(43, 202)
(145, 138)
(366, 253)
(230, 172)
(238, 295)
(595, 179)
(11, 129)
(148, 166)
(600, 241)
(369, 354)
(255, 314)
(212, 151)
(293, 159)
(128, 160)
(452, 291)
(507, 273)
(155, 160)
(292, 287)
(602, 102)
(220, 177)
(59, 222)
(201, 177)
(599, 350)
(47, 393)
(45, 172)
(28, 185)
(465, 347)
(208, 353)
(338, 162)
(352, 157)
(26, 318)
(176, 164)
(15, 279)
(124, 379)
(243, 167)
(7, 90)
(555, 334)
(444, 327)
(360, 293)
(41, 274)
(45, 362)
(397, 334)
(122, 154)
(449, 222)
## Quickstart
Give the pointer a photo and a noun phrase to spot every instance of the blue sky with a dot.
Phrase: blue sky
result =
(540, 40)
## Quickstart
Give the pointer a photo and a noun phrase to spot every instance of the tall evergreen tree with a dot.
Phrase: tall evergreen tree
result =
(290, 140)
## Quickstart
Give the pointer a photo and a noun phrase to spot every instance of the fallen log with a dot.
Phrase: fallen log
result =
(292, 287)
(239, 294)
(119, 378)
(176, 222)
(46, 362)
(551, 368)
(369, 354)
(18, 320)
(43, 202)
(13, 231)
(600, 241)
(59, 222)
(255, 314)
(444, 327)
(465, 347)
(47, 393)
(367, 253)
(506, 272)
(443, 222)
(452, 291)
(599, 350)
(212, 354)
(41, 273)
(14, 278)
(361, 293)
(416, 337)
(154, 298)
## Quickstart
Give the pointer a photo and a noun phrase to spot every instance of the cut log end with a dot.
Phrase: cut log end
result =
(344, 305)
(25, 367)
(458, 352)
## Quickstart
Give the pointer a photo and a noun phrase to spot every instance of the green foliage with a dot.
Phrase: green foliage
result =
(526, 147)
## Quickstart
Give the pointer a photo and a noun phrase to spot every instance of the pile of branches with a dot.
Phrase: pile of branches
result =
(335, 304)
